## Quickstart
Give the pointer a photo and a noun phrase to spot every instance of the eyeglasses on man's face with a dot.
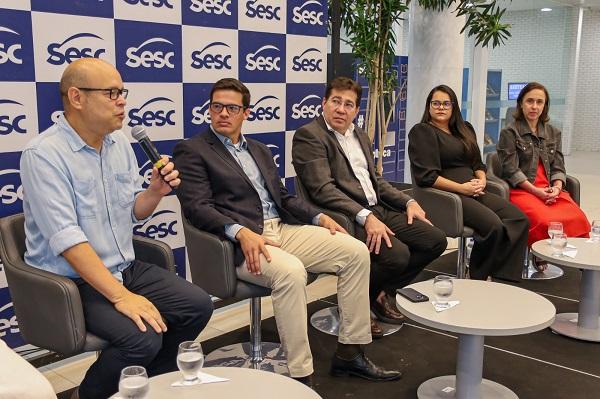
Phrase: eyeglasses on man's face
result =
(113, 93)
(349, 106)
(232, 109)
(441, 104)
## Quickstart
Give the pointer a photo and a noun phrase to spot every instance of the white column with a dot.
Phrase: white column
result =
(478, 92)
(567, 130)
(435, 56)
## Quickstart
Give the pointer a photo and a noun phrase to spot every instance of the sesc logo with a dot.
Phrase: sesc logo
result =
(55, 116)
(11, 189)
(265, 112)
(304, 15)
(8, 52)
(211, 13)
(8, 320)
(149, 118)
(216, 7)
(137, 56)
(308, 108)
(264, 59)
(49, 105)
(67, 51)
(304, 63)
(152, 3)
(276, 143)
(160, 225)
(275, 151)
(200, 114)
(12, 121)
(303, 104)
(16, 46)
(148, 52)
(255, 9)
(211, 59)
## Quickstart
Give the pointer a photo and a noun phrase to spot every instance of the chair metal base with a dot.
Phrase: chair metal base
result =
(328, 321)
(240, 355)
(530, 273)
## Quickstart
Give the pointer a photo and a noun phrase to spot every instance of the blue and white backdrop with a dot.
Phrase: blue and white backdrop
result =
(169, 52)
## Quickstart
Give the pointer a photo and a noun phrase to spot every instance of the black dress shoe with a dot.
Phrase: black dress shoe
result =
(387, 312)
(308, 381)
(362, 367)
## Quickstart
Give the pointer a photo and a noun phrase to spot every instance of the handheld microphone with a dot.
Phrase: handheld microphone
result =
(139, 133)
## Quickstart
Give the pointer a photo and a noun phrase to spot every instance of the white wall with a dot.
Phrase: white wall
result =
(539, 50)
(586, 128)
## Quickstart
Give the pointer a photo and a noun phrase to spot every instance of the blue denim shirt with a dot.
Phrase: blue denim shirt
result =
(73, 194)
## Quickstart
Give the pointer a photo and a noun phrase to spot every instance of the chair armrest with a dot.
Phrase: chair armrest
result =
(497, 186)
(443, 208)
(154, 251)
(48, 308)
(574, 188)
(211, 261)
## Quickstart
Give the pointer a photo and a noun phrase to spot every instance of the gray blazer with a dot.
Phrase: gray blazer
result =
(326, 172)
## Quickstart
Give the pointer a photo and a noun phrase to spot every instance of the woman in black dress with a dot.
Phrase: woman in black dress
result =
(444, 154)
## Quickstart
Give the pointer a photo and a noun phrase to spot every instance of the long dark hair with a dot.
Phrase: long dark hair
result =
(456, 123)
(518, 114)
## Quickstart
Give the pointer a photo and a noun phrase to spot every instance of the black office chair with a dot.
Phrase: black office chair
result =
(48, 306)
(444, 210)
(573, 187)
(327, 320)
(212, 267)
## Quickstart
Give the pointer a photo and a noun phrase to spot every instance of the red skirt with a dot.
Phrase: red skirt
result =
(565, 210)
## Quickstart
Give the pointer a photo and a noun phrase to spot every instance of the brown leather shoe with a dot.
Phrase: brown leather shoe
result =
(387, 312)
(539, 265)
(376, 330)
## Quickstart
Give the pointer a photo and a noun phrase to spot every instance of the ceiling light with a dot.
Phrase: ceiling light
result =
(546, 9)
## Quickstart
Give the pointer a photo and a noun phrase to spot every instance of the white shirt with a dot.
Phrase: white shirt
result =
(353, 151)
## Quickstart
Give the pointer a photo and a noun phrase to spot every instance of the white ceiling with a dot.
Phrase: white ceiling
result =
(516, 5)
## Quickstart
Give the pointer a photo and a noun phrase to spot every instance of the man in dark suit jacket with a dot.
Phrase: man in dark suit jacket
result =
(333, 160)
(232, 189)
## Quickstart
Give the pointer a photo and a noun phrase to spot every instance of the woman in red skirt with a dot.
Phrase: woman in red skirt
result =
(533, 164)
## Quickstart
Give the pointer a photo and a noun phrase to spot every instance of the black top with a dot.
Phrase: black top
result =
(434, 153)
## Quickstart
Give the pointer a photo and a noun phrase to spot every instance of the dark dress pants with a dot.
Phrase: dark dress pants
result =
(184, 307)
(414, 246)
(501, 231)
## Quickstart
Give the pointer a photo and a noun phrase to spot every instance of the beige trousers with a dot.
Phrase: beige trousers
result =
(314, 249)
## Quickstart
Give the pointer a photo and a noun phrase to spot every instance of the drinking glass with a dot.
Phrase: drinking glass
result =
(554, 228)
(133, 383)
(558, 244)
(442, 289)
(595, 232)
(189, 361)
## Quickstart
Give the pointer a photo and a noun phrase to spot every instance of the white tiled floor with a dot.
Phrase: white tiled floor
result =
(69, 373)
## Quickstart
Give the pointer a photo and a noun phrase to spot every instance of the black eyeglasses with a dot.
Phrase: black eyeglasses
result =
(438, 104)
(113, 94)
(232, 109)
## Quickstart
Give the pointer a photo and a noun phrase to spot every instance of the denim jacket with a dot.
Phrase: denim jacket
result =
(519, 151)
